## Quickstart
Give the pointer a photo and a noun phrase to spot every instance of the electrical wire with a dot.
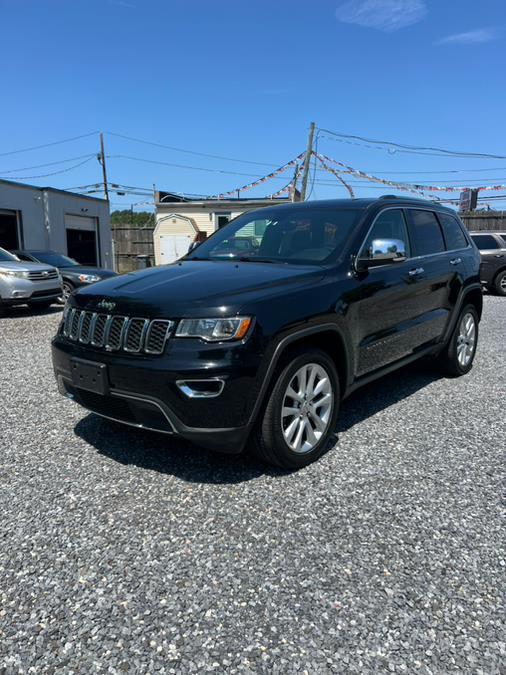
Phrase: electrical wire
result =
(47, 145)
(416, 149)
(37, 166)
(54, 173)
(190, 152)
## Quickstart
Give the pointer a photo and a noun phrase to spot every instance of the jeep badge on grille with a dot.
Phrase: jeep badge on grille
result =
(105, 304)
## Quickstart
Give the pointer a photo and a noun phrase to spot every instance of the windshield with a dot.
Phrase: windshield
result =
(296, 236)
(55, 259)
(5, 256)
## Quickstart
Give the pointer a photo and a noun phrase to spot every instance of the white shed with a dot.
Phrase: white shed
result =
(179, 219)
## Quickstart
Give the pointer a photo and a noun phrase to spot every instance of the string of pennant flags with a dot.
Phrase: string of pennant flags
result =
(408, 186)
(330, 165)
(259, 181)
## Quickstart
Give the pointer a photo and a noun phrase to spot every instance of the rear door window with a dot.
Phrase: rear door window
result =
(454, 236)
(485, 242)
(425, 233)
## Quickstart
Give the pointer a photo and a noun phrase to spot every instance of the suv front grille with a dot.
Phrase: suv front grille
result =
(44, 275)
(115, 333)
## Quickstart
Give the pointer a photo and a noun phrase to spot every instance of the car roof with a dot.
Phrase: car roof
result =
(363, 203)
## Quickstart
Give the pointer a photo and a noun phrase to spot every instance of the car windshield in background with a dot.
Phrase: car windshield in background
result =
(5, 256)
(304, 236)
(55, 259)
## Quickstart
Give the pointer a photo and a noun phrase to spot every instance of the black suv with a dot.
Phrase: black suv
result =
(263, 344)
(492, 246)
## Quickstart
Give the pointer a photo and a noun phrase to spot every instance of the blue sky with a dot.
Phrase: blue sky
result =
(243, 80)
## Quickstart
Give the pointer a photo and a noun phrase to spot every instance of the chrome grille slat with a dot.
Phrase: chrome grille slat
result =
(134, 334)
(116, 332)
(156, 336)
(43, 276)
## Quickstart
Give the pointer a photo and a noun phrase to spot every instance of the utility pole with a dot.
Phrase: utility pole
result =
(307, 161)
(101, 159)
(293, 188)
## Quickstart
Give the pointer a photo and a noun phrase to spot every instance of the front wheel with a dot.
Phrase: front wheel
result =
(67, 289)
(299, 419)
(457, 358)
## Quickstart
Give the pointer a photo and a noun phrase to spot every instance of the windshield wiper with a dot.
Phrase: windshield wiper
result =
(247, 258)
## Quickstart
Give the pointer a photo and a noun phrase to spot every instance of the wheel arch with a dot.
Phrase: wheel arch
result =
(327, 337)
(474, 296)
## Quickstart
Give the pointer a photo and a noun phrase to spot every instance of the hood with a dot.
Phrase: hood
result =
(84, 269)
(26, 267)
(196, 288)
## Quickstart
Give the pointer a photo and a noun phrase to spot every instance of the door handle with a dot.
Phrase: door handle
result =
(455, 261)
(499, 255)
(416, 271)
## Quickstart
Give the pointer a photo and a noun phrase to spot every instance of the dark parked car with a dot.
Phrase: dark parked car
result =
(263, 345)
(73, 274)
(492, 246)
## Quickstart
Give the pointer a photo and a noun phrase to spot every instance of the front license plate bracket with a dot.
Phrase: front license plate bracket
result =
(90, 376)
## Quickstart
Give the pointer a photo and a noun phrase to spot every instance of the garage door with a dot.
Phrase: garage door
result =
(82, 239)
(80, 222)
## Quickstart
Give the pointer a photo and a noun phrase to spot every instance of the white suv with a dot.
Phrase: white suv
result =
(23, 283)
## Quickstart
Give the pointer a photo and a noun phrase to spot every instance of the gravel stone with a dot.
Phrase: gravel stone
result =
(123, 551)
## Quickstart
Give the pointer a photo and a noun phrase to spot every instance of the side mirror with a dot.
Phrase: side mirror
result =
(382, 252)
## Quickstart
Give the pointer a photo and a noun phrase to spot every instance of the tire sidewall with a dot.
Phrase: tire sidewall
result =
(272, 420)
(497, 284)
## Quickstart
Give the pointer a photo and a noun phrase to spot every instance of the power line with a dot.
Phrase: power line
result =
(413, 148)
(37, 166)
(47, 145)
(190, 152)
(54, 173)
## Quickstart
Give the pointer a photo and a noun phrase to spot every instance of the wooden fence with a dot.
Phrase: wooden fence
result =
(485, 220)
(129, 242)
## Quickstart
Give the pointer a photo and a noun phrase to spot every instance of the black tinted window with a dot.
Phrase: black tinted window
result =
(454, 236)
(389, 225)
(426, 235)
(485, 241)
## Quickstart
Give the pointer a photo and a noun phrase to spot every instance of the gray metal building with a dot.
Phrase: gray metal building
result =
(47, 218)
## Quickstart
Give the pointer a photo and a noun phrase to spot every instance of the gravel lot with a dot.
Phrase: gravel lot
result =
(123, 551)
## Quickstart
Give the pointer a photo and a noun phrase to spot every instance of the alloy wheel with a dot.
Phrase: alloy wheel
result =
(307, 408)
(466, 339)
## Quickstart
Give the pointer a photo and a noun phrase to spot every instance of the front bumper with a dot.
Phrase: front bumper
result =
(18, 291)
(143, 391)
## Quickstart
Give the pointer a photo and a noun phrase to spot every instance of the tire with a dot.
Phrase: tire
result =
(45, 304)
(68, 288)
(500, 283)
(274, 431)
(458, 356)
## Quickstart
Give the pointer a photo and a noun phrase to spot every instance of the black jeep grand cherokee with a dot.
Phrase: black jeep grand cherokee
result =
(226, 345)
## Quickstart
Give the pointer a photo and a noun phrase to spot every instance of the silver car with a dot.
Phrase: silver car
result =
(23, 283)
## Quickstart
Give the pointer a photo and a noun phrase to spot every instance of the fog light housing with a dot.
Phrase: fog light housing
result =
(206, 388)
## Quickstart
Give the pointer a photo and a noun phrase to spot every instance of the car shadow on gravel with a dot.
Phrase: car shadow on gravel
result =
(385, 392)
(170, 455)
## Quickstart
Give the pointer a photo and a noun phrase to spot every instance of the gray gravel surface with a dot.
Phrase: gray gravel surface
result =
(123, 551)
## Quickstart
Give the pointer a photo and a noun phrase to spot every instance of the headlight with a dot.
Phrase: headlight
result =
(214, 330)
(88, 278)
(12, 273)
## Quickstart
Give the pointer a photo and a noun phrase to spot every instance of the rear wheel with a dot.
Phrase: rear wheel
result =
(457, 358)
(299, 418)
(500, 283)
